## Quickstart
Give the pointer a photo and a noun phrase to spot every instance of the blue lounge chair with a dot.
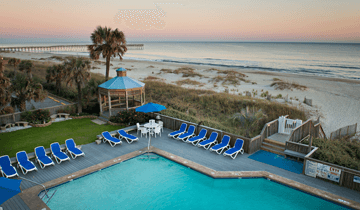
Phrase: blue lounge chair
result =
(72, 150)
(190, 133)
(233, 152)
(6, 168)
(42, 158)
(219, 148)
(57, 153)
(128, 137)
(179, 132)
(211, 141)
(112, 140)
(24, 163)
(195, 140)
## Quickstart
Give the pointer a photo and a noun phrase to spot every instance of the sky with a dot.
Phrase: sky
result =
(184, 20)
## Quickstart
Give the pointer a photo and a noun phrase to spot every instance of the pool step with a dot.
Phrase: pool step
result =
(273, 146)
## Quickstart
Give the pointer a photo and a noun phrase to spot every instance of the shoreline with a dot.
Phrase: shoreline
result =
(335, 100)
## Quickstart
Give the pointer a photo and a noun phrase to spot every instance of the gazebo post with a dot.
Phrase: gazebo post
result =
(144, 95)
(126, 96)
(141, 97)
(100, 103)
(109, 97)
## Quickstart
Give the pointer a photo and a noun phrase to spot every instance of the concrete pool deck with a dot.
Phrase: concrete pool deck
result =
(103, 155)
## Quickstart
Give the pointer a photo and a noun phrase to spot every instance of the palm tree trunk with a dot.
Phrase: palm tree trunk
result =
(107, 68)
(58, 85)
(29, 75)
(14, 72)
(22, 106)
(79, 97)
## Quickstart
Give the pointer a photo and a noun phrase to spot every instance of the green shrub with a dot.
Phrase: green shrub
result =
(343, 152)
(36, 117)
(130, 117)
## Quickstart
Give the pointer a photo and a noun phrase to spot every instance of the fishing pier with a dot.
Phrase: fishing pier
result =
(65, 48)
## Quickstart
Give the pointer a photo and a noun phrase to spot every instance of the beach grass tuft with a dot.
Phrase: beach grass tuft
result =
(189, 82)
(282, 85)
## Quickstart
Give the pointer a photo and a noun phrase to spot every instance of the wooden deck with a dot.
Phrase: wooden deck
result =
(95, 154)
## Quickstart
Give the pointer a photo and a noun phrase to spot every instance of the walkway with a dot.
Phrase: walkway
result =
(99, 153)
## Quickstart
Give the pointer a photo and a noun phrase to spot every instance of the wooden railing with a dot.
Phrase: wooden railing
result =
(269, 129)
(318, 131)
(346, 177)
(297, 147)
(301, 132)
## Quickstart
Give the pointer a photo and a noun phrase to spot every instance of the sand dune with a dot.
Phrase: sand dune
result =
(336, 101)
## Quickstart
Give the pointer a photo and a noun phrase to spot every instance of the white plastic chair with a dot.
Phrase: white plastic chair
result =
(143, 131)
(161, 124)
(157, 130)
(138, 126)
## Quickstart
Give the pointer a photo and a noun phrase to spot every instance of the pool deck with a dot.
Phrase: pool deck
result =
(103, 155)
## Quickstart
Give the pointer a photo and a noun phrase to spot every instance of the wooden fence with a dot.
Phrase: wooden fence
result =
(269, 129)
(344, 131)
(175, 123)
(349, 178)
(15, 117)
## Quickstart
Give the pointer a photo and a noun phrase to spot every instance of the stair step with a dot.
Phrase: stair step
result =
(277, 143)
(263, 147)
(273, 146)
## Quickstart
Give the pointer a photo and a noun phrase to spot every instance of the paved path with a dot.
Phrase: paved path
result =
(95, 154)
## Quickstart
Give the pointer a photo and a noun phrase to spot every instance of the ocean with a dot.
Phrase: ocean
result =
(337, 60)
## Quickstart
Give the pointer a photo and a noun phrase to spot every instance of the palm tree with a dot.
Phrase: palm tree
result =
(14, 62)
(26, 89)
(26, 65)
(108, 43)
(78, 72)
(5, 92)
(56, 73)
(91, 89)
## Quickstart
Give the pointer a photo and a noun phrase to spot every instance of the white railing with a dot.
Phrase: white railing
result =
(287, 125)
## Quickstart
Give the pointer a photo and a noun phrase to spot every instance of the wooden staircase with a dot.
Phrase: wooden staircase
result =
(273, 146)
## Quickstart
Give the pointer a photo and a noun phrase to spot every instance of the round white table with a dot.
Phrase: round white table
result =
(150, 127)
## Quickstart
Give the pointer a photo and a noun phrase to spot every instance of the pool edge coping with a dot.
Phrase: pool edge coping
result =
(33, 201)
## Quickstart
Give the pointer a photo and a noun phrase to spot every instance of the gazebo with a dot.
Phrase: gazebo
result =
(120, 93)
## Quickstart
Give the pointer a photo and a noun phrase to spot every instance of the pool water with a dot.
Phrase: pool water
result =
(163, 184)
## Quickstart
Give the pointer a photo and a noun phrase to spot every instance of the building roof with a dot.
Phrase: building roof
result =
(121, 83)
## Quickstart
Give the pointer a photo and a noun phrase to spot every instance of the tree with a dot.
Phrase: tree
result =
(5, 92)
(26, 89)
(108, 43)
(26, 65)
(91, 89)
(56, 73)
(14, 62)
(78, 72)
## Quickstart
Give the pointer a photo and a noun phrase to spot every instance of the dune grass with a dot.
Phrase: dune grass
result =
(189, 82)
(282, 85)
(83, 131)
(214, 109)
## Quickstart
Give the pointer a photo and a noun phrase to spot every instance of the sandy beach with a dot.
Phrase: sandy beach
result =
(335, 101)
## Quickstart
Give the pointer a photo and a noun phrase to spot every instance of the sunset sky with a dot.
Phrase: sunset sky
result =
(185, 20)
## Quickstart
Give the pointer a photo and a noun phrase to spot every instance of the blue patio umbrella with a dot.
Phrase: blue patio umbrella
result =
(8, 188)
(150, 107)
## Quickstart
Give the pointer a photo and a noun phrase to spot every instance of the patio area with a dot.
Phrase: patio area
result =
(95, 154)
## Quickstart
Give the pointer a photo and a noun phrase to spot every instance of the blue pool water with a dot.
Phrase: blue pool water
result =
(163, 184)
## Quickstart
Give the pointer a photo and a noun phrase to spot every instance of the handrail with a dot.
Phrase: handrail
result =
(35, 183)
(293, 131)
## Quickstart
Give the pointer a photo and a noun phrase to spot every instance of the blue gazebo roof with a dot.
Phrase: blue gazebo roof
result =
(121, 82)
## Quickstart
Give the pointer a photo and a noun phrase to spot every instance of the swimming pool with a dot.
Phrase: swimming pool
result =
(163, 184)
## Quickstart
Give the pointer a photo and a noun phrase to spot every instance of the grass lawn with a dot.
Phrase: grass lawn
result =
(83, 131)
